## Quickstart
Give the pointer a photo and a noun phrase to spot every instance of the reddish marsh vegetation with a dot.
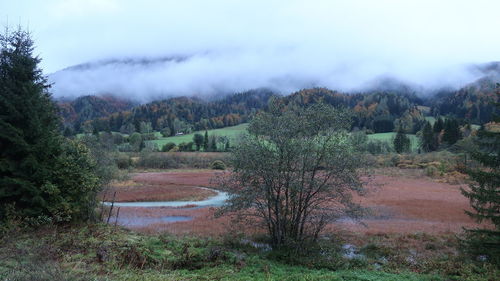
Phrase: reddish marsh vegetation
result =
(399, 205)
(175, 186)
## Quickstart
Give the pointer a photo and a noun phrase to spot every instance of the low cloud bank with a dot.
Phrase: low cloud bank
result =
(212, 74)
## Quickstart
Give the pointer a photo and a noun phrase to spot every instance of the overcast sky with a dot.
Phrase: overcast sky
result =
(232, 45)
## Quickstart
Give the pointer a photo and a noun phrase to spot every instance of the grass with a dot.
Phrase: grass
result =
(231, 132)
(101, 252)
(388, 137)
(430, 119)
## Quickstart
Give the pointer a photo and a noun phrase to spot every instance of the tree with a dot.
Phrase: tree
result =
(428, 141)
(295, 171)
(168, 146)
(484, 195)
(451, 131)
(136, 142)
(205, 142)
(438, 126)
(198, 141)
(401, 142)
(42, 175)
(212, 143)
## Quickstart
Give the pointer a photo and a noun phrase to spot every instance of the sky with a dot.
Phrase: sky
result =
(230, 45)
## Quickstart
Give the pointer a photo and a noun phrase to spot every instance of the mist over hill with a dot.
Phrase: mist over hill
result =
(215, 74)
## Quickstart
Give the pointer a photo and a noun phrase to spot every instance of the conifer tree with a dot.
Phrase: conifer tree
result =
(428, 140)
(484, 194)
(41, 175)
(205, 141)
(438, 126)
(401, 142)
(452, 132)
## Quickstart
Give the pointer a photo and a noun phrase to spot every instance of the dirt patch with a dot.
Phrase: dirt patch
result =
(400, 205)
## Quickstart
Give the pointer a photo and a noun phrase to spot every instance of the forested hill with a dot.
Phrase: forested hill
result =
(85, 108)
(378, 111)
(184, 114)
(473, 102)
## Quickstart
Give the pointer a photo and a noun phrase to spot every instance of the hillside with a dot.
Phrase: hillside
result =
(379, 111)
(85, 108)
(473, 102)
(187, 114)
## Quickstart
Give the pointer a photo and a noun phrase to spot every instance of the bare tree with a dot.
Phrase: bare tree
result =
(296, 171)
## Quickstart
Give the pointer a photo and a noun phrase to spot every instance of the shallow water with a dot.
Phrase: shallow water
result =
(215, 201)
(145, 221)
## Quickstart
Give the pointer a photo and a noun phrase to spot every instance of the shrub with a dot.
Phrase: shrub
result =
(123, 161)
(167, 147)
(431, 171)
(218, 165)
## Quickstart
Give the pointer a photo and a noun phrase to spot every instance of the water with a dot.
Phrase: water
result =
(145, 221)
(138, 221)
(215, 201)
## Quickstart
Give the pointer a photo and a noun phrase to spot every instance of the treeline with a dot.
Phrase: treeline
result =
(184, 115)
(475, 102)
(376, 112)
(75, 113)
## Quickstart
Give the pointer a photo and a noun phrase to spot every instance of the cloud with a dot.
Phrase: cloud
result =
(232, 45)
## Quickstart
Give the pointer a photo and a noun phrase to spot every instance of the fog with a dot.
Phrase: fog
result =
(150, 49)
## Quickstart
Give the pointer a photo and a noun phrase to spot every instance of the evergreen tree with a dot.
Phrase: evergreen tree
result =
(205, 142)
(401, 142)
(428, 140)
(484, 195)
(452, 132)
(41, 176)
(438, 125)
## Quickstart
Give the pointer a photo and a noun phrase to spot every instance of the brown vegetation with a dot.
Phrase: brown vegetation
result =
(175, 186)
(398, 204)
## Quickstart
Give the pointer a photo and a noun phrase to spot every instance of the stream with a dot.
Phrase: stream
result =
(141, 221)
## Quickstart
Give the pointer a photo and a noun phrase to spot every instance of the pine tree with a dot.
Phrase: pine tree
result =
(484, 195)
(28, 126)
(401, 142)
(33, 154)
(438, 126)
(452, 132)
(205, 142)
(428, 140)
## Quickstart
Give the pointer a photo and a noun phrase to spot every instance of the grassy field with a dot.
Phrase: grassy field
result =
(231, 132)
(390, 136)
(99, 252)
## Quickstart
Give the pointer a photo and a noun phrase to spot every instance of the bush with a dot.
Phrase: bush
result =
(174, 160)
(378, 147)
(167, 147)
(123, 161)
(218, 165)
(431, 171)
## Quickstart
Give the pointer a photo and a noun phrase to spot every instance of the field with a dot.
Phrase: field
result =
(231, 132)
(388, 137)
(398, 205)
(410, 234)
